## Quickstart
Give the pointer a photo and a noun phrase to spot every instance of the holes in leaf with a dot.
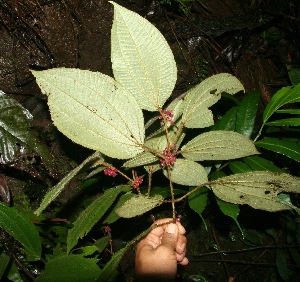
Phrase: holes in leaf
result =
(267, 192)
(242, 197)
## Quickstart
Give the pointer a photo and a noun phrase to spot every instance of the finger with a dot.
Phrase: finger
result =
(160, 229)
(181, 244)
(181, 229)
(179, 257)
(185, 261)
(170, 236)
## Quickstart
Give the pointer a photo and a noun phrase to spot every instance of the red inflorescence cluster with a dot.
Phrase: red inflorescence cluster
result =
(137, 182)
(107, 229)
(169, 115)
(111, 171)
(169, 157)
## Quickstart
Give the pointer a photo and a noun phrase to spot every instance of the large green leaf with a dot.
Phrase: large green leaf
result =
(204, 95)
(93, 110)
(16, 135)
(231, 210)
(186, 172)
(284, 147)
(157, 144)
(5, 260)
(92, 214)
(246, 114)
(285, 95)
(198, 201)
(138, 205)
(22, 229)
(227, 122)
(289, 111)
(218, 145)
(294, 74)
(55, 191)
(142, 60)
(69, 268)
(258, 163)
(285, 122)
(258, 189)
(143, 158)
(111, 215)
(239, 167)
(109, 271)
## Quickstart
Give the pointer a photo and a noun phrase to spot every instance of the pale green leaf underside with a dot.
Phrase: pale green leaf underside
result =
(157, 144)
(204, 95)
(142, 60)
(218, 145)
(138, 205)
(186, 172)
(258, 189)
(94, 111)
(143, 158)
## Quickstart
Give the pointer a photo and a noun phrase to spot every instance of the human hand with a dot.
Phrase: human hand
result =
(158, 254)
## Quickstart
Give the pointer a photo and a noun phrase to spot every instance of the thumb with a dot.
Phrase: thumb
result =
(170, 236)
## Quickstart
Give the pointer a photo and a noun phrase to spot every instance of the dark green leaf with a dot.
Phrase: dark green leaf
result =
(228, 121)
(14, 274)
(5, 259)
(73, 268)
(289, 111)
(294, 74)
(198, 201)
(286, 95)
(109, 272)
(282, 264)
(22, 229)
(285, 122)
(231, 210)
(246, 114)
(92, 214)
(16, 135)
(55, 191)
(239, 167)
(113, 216)
(102, 243)
(258, 163)
(165, 191)
(284, 147)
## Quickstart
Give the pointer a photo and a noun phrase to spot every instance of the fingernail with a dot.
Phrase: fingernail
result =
(171, 228)
(183, 246)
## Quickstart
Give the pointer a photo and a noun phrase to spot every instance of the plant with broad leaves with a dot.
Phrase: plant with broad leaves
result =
(106, 114)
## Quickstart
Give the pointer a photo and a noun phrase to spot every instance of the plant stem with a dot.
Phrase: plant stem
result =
(172, 195)
(149, 182)
(190, 192)
(259, 133)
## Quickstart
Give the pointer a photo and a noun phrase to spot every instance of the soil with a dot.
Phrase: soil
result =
(254, 40)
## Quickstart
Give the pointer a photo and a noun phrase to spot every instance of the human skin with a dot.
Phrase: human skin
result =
(159, 253)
